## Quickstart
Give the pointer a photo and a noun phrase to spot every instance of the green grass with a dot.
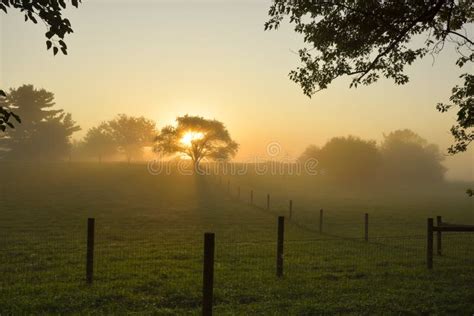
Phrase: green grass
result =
(149, 240)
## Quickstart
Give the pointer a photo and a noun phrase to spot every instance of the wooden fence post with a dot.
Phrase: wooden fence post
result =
(251, 197)
(281, 232)
(321, 220)
(208, 274)
(438, 236)
(268, 201)
(291, 209)
(429, 246)
(366, 220)
(90, 250)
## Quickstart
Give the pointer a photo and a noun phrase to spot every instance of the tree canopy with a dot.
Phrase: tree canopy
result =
(402, 157)
(99, 141)
(50, 12)
(196, 138)
(409, 157)
(131, 134)
(346, 158)
(6, 114)
(44, 134)
(369, 39)
(463, 99)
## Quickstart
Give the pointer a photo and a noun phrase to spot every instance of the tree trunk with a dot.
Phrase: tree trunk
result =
(196, 166)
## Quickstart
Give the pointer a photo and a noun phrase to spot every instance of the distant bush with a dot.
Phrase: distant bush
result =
(402, 157)
(346, 158)
(407, 157)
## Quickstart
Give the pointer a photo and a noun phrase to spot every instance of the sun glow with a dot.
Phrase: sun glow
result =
(189, 137)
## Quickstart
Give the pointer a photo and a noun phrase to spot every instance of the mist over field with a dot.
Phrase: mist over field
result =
(236, 157)
(163, 59)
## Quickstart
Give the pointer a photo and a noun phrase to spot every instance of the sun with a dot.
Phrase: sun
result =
(189, 137)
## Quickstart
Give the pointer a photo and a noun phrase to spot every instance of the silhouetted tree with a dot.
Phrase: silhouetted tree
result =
(131, 134)
(407, 157)
(50, 13)
(33, 104)
(44, 134)
(348, 159)
(196, 138)
(369, 39)
(99, 142)
(6, 114)
(463, 98)
(311, 152)
(52, 139)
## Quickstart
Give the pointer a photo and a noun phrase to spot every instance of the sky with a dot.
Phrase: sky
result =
(165, 58)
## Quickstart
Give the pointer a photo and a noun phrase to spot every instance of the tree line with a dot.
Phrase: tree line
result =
(402, 156)
(45, 134)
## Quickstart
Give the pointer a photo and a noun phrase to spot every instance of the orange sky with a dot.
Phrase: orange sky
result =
(162, 59)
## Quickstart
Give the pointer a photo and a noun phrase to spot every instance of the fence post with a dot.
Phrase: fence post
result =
(90, 250)
(291, 209)
(438, 236)
(281, 232)
(208, 274)
(429, 246)
(268, 201)
(251, 197)
(366, 220)
(321, 220)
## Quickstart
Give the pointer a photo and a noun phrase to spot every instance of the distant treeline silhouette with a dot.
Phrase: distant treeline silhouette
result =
(402, 156)
(46, 135)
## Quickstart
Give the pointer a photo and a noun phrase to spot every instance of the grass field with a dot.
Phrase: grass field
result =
(149, 244)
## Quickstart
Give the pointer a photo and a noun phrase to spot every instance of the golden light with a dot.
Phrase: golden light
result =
(189, 137)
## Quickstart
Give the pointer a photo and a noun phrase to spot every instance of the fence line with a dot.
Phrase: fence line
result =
(283, 254)
(290, 254)
(439, 229)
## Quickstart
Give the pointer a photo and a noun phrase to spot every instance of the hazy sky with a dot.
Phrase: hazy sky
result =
(162, 59)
